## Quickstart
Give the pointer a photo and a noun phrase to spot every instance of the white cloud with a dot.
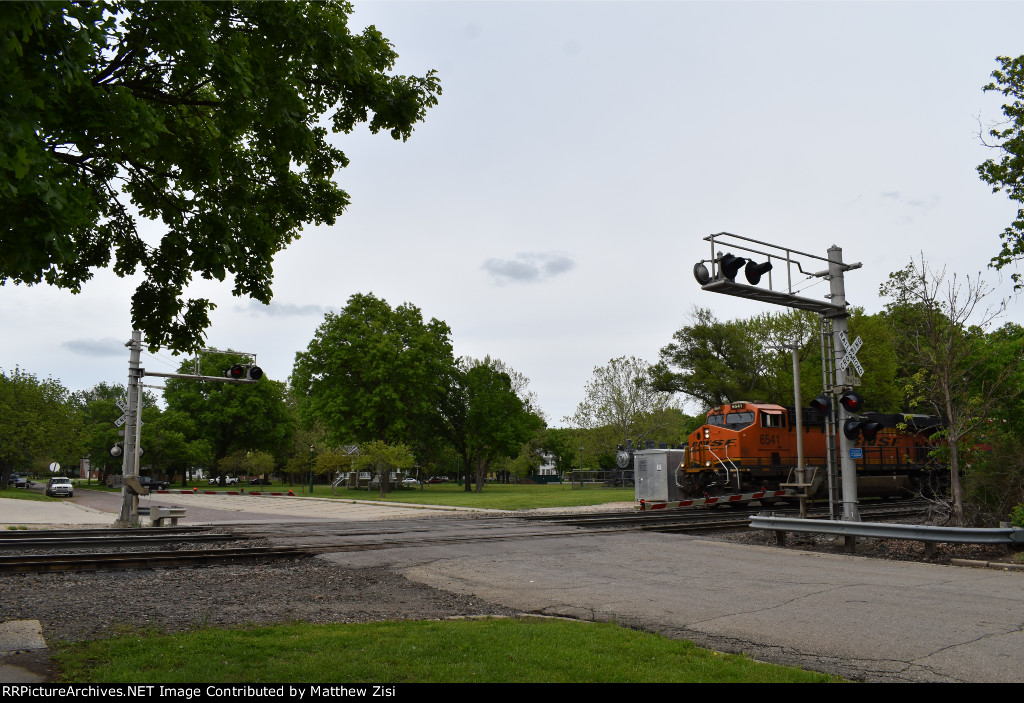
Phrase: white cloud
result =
(108, 346)
(528, 267)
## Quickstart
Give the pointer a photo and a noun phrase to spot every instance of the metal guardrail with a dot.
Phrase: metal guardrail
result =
(918, 533)
(929, 534)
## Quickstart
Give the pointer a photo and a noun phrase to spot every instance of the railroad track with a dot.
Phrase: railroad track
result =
(35, 551)
(135, 546)
(691, 520)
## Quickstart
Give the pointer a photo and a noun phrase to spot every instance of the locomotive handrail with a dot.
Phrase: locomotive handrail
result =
(917, 533)
(734, 467)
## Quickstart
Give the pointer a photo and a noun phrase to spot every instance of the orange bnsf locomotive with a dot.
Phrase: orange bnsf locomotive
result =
(747, 447)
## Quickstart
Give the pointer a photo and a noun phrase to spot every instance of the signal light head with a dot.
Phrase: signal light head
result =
(822, 404)
(754, 271)
(239, 372)
(870, 429)
(852, 401)
(852, 428)
(730, 265)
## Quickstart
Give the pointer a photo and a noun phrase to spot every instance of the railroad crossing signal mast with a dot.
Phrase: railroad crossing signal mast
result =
(838, 354)
(132, 420)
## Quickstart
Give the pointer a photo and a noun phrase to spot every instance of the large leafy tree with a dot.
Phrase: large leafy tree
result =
(487, 419)
(1006, 173)
(206, 117)
(373, 372)
(39, 424)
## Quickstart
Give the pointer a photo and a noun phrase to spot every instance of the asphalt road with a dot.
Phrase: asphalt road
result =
(102, 507)
(863, 618)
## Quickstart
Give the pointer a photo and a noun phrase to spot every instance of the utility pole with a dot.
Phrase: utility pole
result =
(848, 467)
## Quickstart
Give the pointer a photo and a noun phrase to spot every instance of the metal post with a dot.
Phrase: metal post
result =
(848, 466)
(800, 474)
(129, 515)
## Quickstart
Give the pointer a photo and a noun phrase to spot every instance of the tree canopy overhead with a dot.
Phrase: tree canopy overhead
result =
(1007, 172)
(207, 117)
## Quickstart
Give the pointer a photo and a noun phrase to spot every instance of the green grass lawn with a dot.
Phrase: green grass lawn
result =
(495, 496)
(22, 494)
(470, 651)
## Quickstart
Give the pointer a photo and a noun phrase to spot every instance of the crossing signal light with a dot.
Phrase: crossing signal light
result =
(238, 372)
(754, 271)
(869, 429)
(865, 428)
(852, 401)
(730, 265)
(851, 428)
(822, 404)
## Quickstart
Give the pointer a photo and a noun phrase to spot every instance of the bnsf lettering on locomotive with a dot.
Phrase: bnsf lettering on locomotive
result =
(705, 444)
(882, 441)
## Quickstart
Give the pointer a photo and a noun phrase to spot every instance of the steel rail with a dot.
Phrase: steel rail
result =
(96, 532)
(141, 560)
(110, 540)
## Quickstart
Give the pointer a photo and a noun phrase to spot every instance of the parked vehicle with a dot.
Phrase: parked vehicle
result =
(228, 481)
(154, 484)
(436, 479)
(60, 486)
(259, 482)
(410, 481)
(18, 481)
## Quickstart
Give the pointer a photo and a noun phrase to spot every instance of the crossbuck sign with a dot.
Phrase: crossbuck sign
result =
(850, 358)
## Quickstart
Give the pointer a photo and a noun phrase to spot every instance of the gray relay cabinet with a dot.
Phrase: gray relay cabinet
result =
(657, 471)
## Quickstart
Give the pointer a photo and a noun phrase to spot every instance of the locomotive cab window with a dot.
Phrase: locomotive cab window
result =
(716, 420)
(772, 419)
(737, 421)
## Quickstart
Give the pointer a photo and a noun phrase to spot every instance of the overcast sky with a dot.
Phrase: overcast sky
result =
(552, 206)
